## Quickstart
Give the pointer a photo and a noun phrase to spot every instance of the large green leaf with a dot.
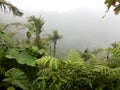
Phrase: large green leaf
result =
(11, 88)
(18, 78)
(21, 57)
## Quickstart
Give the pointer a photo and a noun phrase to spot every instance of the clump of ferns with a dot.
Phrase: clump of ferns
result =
(112, 73)
(114, 56)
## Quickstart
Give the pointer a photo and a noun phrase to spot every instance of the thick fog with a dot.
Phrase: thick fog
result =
(80, 28)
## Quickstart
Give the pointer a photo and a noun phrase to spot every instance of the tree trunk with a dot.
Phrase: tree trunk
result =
(50, 50)
(54, 48)
(108, 56)
(37, 41)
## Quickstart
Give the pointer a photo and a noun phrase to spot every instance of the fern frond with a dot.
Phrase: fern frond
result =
(93, 62)
(115, 73)
(102, 69)
(115, 52)
(111, 73)
(44, 72)
(73, 57)
(48, 61)
(115, 56)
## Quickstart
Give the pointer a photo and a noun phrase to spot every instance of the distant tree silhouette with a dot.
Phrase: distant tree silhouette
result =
(54, 37)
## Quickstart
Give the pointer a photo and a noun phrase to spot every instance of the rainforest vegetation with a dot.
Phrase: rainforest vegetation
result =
(33, 65)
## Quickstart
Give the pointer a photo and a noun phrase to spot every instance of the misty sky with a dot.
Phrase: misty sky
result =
(79, 21)
(58, 5)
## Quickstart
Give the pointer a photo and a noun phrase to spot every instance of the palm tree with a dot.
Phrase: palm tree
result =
(37, 23)
(115, 44)
(86, 54)
(7, 6)
(54, 38)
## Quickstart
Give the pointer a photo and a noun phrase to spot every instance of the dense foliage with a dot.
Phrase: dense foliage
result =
(22, 69)
(30, 66)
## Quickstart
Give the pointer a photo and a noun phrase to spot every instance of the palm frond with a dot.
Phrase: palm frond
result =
(5, 6)
(56, 36)
(37, 22)
(23, 25)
